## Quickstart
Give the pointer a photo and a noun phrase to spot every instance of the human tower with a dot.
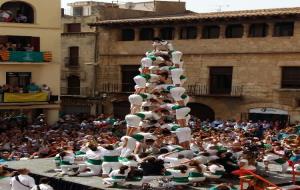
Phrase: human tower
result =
(160, 100)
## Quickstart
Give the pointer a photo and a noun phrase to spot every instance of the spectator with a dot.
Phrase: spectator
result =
(33, 88)
(44, 185)
(22, 181)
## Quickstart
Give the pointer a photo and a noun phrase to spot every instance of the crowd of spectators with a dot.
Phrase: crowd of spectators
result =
(21, 140)
(16, 47)
(251, 141)
(9, 16)
(30, 88)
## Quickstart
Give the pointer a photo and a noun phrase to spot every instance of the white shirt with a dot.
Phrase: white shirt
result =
(25, 179)
(43, 187)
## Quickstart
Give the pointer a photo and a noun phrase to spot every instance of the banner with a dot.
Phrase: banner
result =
(25, 97)
(25, 56)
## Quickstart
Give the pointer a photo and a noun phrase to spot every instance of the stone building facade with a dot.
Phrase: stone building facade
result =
(39, 64)
(240, 64)
(80, 48)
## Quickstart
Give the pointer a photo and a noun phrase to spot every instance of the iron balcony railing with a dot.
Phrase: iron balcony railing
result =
(192, 90)
(116, 88)
(205, 90)
(76, 91)
(72, 62)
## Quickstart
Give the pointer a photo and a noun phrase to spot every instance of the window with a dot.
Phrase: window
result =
(73, 27)
(210, 32)
(73, 59)
(290, 77)
(19, 79)
(146, 34)
(284, 29)
(188, 32)
(234, 31)
(128, 73)
(258, 30)
(220, 80)
(127, 35)
(167, 33)
(77, 11)
(73, 85)
(16, 11)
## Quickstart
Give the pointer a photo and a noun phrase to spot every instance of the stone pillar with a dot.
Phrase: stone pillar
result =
(246, 30)
(156, 32)
(222, 31)
(177, 32)
(93, 110)
(270, 29)
(136, 34)
(199, 31)
(52, 116)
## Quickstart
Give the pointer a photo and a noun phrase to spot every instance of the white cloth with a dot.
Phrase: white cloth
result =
(43, 187)
(25, 179)
(146, 62)
(133, 120)
(182, 112)
(177, 92)
(176, 74)
(183, 134)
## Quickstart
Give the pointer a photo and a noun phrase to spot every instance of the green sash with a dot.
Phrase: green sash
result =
(175, 127)
(138, 137)
(178, 149)
(144, 96)
(184, 96)
(94, 162)
(118, 177)
(181, 179)
(147, 77)
(167, 173)
(280, 161)
(79, 153)
(196, 174)
(171, 68)
(111, 159)
(177, 107)
(142, 116)
(123, 159)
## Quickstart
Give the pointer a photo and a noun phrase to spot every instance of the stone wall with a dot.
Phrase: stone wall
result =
(256, 66)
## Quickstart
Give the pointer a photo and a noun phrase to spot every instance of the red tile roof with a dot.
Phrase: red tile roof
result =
(204, 16)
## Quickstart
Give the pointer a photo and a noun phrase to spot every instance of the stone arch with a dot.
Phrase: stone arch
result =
(20, 7)
(201, 111)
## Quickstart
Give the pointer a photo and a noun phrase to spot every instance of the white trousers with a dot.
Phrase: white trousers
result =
(94, 170)
(107, 167)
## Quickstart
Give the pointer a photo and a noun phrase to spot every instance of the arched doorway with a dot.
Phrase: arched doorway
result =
(268, 114)
(73, 85)
(121, 109)
(19, 11)
(202, 111)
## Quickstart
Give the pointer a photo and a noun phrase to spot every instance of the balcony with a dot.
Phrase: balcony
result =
(23, 57)
(76, 91)
(116, 88)
(72, 62)
(203, 90)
